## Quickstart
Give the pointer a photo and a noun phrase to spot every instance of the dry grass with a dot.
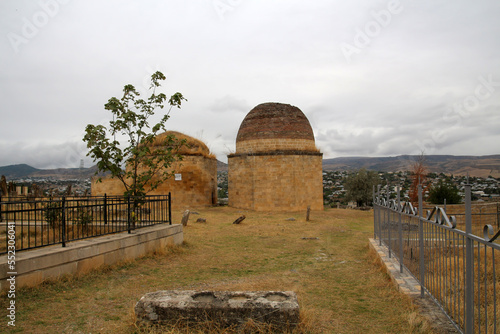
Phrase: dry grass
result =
(325, 261)
(446, 265)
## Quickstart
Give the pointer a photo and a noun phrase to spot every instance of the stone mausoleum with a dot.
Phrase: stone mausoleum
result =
(276, 166)
(195, 181)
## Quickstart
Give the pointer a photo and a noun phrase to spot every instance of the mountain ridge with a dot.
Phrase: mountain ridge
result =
(480, 166)
(19, 171)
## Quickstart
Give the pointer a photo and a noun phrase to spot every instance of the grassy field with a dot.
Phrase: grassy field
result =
(326, 261)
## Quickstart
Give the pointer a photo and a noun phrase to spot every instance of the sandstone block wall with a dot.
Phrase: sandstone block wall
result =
(198, 186)
(268, 145)
(109, 186)
(276, 182)
(52, 262)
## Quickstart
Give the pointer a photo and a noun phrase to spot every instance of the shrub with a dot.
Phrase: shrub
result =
(442, 191)
(83, 217)
(53, 214)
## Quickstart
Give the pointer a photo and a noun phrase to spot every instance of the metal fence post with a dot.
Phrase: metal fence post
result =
(389, 220)
(374, 213)
(400, 230)
(63, 221)
(469, 265)
(378, 216)
(421, 240)
(128, 214)
(105, 209)
(498, 215)
(170, 208)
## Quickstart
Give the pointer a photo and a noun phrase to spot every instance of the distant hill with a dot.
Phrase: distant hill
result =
(481, 166)
(66, 173)
(24, 171)
(17, 171)
(221, 167)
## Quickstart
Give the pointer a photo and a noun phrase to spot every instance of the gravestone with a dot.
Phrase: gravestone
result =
(239, 220)
(226, 308)
(185, 218)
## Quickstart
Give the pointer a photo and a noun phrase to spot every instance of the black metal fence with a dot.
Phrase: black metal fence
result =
(28, 224)
(457, 268)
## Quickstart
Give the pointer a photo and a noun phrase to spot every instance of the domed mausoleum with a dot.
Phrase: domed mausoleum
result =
(195, 181)
(276, 166)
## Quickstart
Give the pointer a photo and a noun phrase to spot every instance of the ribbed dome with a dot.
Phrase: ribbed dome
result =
(275, 120)
(275, 127)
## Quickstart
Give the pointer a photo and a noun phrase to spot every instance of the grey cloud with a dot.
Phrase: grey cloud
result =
(230, 103)
(398, 92)
(44, 155)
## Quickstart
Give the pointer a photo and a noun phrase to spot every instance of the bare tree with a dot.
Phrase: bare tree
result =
(419, 177)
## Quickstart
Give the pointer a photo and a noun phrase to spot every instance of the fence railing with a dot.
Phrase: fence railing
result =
(457, 268)
(28, 224)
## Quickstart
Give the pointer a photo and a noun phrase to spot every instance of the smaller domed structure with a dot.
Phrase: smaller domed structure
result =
(195, 181)
(191, 146)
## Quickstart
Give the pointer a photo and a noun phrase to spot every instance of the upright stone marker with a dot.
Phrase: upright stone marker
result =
(185, 218)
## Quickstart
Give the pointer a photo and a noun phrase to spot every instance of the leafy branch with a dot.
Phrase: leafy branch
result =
(139, 163)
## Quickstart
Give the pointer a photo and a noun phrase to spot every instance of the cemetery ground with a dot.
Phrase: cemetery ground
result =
(340, 285)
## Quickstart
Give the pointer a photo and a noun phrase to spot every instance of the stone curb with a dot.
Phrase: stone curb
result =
(408, 285)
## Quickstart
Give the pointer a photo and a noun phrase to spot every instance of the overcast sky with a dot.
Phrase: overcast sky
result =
(374, 78)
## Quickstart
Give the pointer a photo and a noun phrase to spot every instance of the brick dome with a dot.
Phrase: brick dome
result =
(275, 127)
